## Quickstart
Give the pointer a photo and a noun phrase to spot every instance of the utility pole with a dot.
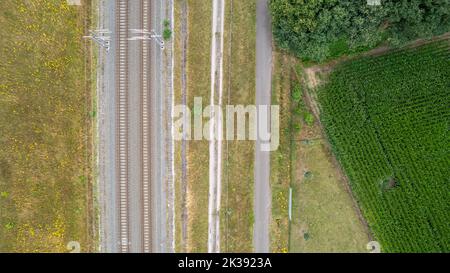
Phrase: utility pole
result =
(100, 37)
(145, 35)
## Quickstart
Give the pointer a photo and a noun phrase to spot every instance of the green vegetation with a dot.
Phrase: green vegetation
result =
(166, 23)
(323, 217)
(320, 29)
(387, 118)
(296, 93)
(44, 127)
(284, 95)
(167, 32)
(308, 118)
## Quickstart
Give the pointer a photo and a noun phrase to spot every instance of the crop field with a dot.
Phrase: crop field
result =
(388, 120)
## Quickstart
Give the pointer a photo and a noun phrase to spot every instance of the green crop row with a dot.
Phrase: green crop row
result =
(388, 119)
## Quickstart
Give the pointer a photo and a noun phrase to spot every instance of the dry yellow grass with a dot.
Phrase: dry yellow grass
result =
(239, 83)
(198, 85)
(179, 244)
(44, 127)
(236, 228)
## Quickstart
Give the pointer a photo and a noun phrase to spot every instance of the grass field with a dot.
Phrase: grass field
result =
(281, 159)
(239, 69)
(324, 218)
(44, 127)
(388, 118)
(239, 84)
(198, 85)
(193, 200)
(180, 245)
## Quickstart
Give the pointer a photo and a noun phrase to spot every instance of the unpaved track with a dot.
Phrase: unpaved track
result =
(159, 134)
(106, 133)
(216, 127)
(262, 202)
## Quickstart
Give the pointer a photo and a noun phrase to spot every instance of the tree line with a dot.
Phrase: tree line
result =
(321, 29)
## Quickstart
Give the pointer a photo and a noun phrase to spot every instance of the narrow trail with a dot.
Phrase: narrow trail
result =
(216, 127)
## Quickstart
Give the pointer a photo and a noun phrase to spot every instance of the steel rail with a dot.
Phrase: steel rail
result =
(122, 122)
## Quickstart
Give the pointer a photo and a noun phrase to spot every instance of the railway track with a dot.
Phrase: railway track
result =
(127, 231)
(146, 129)
(122, 122)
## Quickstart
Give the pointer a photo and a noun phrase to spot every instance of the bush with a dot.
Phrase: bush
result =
(166, 23)
(9, 225)
(167, 34)
(308, 118)
(306, 236)
(296, 93)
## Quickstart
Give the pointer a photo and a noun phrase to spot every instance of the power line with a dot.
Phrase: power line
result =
(100, 37)
(147, 36)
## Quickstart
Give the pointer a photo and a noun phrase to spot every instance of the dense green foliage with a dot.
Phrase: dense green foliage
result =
(320, 29)
(388, 121)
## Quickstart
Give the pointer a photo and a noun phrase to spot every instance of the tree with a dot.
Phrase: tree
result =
(320, 29)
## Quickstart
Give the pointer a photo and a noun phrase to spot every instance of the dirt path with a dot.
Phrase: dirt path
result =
(216, 126)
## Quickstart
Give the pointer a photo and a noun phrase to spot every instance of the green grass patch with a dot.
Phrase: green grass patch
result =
(287, 96)
(323, 216)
